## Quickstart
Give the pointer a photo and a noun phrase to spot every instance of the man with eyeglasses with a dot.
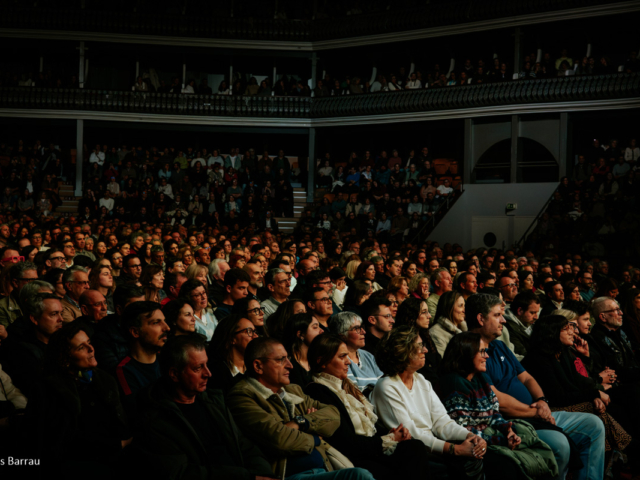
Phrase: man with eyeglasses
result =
(376, 316)
(55, 259)
(319, 304)
(131, 270)
(236, 284)
(610, 341)
(75, 281)
(69, 252)
(19, 275)
(278, 284)
(287, 425)
(93, 306)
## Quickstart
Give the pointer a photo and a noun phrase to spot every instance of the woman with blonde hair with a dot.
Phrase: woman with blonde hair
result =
(198, 272)
(419, 286)
(398, 286)
(352, 268)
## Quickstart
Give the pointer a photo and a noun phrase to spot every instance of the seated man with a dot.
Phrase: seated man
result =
(520, 396)
(287, 425)
(377, 320)
(94, 308)
(144, 324)
(520, 316)
(236, 284)
(211, 446)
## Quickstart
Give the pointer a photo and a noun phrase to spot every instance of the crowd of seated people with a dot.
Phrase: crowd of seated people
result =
(194, 349)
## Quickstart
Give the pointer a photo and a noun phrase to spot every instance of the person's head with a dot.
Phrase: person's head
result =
(508, 288)
(441, 281)
(526, 306)
(349, 327)
(329, 354)
(608, 287)
(236, 284)
(152, 277)
(183, 365)
(145, 325)
(173, 283)
(483, 314)
(256, 275)
(76, 281)
(419, 284)
(278, 283)
(93, 305)
(232, 335)
(554, 291)
(179, 316)
(125, 295)
(318, 302)
(551, 335)
(467, 283)
(377, 316)
(249, 308)
(582, 315)
(466, 354)
(20, 274)
(44, 311)
(393, 266)
(399, 287)
(55, 259)
(607, 312)
(267, 361)
(194, 292)
(402, 350)
(218, 268)
(525, 279)
(69, 351)
(414, 313)
(132, 266)
(299, 332)
(451, 306)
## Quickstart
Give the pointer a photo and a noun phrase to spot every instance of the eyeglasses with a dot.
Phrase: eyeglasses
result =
(81, 282)
(325, 299)
(249, 332)
(420, 346)
(357, 329)
(619, 310)
(256, 311)
(483, 352)
(139, 265)
(324, 283)
(281, 360)
(570, 326)
(13, 259)
(509, 285)
(27, 280)
(199, 295)
(62, 258)
(394, 303)
(387, 316)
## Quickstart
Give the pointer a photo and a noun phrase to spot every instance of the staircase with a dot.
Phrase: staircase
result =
(287, 225)
(70, 202)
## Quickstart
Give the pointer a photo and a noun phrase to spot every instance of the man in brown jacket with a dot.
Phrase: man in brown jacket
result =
(75, 281)
(286, 424)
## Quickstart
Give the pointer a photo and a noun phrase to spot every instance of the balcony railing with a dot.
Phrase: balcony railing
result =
(210, 26)
(564, 89)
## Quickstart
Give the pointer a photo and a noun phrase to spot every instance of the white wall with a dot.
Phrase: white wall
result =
(481, 209)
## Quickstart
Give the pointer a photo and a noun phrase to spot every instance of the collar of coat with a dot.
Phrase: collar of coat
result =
(290, 398)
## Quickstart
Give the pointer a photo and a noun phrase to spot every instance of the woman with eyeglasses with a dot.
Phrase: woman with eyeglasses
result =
(299, 332)
(250, 308)
(471, 403)
(550, 361)
(195, 293)
(404, 396)
(226, 351)
(387, 455)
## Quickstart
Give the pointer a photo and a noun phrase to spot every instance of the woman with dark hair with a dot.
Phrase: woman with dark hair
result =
(449, 320)
(525, 280)
(399, 287)
(414, 313)
(275, 324)
(299, 332)
(226, 351)
(356, 295)
(152, 280)
(551, 363)
(404, 397)
(179, 316)
(607, 288)
(470, 401)
(195, 293)
(409, 269)
(54, 277)
(250, 309)
(387, 457)
(74, 414)
(367, 271)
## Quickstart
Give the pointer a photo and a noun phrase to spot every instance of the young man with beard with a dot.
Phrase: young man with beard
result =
(148, 332)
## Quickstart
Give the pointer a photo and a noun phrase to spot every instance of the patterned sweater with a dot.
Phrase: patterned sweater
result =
(473, 405)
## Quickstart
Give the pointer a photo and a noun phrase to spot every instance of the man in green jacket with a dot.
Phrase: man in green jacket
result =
(186, 431)
(285, 423)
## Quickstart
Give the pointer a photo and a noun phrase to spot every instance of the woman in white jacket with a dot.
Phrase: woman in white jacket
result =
(403, 396)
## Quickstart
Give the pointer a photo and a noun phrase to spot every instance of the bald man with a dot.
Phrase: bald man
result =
(93, 305)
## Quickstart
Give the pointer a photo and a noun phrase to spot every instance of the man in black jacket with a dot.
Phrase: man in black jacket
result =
(186, 430)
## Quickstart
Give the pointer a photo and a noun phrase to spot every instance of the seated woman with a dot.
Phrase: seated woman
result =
(274, 327)
(550, 361)
(414, 313)
(226, 351)
(403, 397)
(419, 286)
(179, 316)
(363, 370)
(152, 280)
(449, 320)
(250, 309)
(299, 332)
(387, 457)
(470, 401)
(195, 294)
(399, 286)
(75, 411)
